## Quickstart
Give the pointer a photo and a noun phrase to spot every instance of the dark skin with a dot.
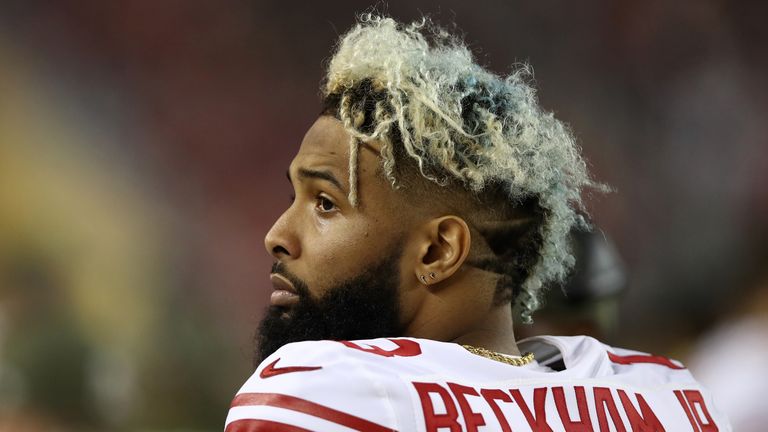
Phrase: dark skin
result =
(322, 238)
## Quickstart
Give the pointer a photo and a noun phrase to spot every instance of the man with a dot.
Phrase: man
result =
(433, 202)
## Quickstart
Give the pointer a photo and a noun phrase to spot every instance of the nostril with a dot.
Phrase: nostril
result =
(279, 250)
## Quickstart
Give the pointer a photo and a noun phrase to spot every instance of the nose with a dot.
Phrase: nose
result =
(281, 241)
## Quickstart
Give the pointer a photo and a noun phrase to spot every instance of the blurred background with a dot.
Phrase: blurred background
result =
(143, 149)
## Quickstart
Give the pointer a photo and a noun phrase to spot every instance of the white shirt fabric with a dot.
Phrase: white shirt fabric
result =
(407, 384)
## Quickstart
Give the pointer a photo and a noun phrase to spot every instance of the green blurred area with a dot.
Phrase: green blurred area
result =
(98, 329)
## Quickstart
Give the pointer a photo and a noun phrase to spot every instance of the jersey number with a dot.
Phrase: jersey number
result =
(405, 348)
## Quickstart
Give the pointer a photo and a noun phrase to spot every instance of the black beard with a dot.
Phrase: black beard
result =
(363, 307)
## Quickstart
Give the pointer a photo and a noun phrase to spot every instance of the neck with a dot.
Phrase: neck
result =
(463, 312)
(494, 332)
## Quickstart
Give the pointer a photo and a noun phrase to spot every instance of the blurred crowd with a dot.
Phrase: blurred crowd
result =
(143, 148)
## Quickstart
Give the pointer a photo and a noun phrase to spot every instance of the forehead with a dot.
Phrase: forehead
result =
(326, 147)
(326, 142)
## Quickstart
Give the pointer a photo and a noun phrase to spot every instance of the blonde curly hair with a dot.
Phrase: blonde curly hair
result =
(416, 89)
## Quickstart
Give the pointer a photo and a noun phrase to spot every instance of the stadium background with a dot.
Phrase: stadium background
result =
(143, 148)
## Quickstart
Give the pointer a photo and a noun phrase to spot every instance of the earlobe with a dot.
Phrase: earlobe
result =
(432, 278)
(449, 241)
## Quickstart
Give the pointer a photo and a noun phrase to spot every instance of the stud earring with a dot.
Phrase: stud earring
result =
(432, 275)
(423, 279)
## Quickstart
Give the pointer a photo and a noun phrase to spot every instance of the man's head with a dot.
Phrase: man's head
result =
(429, 178)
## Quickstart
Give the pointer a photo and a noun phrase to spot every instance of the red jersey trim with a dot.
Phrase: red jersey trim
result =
(278, 400)
(253, 425)
(631, 359)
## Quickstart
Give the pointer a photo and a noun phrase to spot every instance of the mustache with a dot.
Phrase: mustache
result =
(301, 287)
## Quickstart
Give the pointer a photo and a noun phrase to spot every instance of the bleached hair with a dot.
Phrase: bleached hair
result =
(460, 123)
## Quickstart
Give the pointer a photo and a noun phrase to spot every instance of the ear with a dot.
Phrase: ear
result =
(446, 246)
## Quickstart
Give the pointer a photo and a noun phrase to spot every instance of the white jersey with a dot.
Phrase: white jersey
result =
(406, 384)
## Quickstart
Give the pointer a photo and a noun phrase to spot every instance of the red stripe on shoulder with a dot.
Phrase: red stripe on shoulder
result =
(293, 403)
(632, 359)
(253, 425)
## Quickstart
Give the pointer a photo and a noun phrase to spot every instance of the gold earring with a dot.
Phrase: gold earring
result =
(423, 279)
(432, 275)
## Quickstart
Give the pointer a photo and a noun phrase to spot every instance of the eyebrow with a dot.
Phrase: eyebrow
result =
(305, 173)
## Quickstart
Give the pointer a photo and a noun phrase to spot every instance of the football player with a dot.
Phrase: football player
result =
(433, 202)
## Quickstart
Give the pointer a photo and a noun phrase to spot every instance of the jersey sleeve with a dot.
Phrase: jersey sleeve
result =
(311, 386)
(685, 393)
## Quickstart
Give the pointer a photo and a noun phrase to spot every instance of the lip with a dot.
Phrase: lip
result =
(284, 294)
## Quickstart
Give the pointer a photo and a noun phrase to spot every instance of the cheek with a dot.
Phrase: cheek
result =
(322, 225)
(339, 250)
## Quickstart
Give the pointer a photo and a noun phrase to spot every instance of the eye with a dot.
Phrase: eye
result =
(324, 205)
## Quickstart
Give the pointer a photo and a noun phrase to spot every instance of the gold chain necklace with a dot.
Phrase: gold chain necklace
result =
(514, 361)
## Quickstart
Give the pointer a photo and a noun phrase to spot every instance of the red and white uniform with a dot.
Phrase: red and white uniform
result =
(406, 384)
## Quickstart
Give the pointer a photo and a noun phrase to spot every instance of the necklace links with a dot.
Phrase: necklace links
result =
(514, 361)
